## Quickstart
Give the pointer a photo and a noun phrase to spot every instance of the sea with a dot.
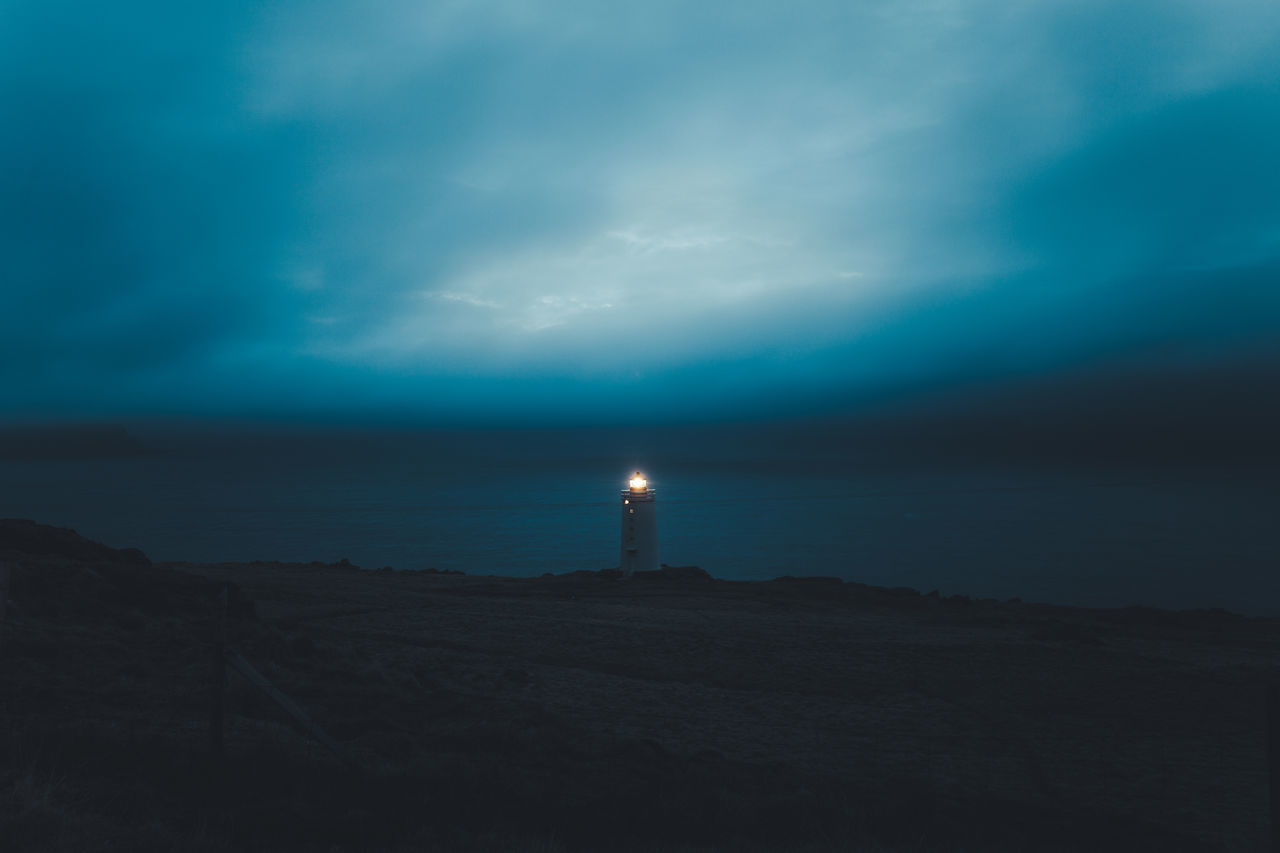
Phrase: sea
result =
(743, 503)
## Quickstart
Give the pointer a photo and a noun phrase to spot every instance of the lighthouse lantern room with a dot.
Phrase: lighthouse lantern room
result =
(639, 527)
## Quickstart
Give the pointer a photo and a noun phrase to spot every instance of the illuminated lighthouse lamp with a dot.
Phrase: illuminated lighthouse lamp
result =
(639, 527)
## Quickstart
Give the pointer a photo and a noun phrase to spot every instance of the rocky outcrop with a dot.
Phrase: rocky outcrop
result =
(675, 573)
(23, 536)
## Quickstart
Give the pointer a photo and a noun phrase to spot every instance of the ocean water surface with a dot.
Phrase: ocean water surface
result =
(742, 504)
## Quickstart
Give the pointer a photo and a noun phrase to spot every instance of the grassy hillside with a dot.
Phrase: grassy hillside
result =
(583, 712)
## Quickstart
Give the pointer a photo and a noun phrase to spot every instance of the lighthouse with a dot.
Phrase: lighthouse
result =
(639, 527)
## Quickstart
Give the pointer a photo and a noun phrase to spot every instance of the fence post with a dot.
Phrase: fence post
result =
(1273, 756)
(218, 671)
(5, 573)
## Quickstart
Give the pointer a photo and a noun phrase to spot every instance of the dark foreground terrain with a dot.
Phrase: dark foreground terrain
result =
(669, 712)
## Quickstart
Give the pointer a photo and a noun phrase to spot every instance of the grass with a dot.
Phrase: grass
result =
(484, 715)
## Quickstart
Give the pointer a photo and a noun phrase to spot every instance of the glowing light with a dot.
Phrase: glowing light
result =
(639, 483)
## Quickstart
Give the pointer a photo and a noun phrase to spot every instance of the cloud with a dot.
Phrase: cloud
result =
(1191, 184)
(211, 208)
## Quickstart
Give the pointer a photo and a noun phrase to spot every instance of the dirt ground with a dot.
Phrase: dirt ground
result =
(667, 712)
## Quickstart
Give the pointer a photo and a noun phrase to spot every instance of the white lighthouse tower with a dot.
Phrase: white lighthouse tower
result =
(639, 527)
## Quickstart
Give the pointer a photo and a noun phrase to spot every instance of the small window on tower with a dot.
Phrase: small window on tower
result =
(632, 510)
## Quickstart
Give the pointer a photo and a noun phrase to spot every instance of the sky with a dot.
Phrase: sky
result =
(531, 211)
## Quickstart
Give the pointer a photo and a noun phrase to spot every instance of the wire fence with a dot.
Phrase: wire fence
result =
(1212, 769)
